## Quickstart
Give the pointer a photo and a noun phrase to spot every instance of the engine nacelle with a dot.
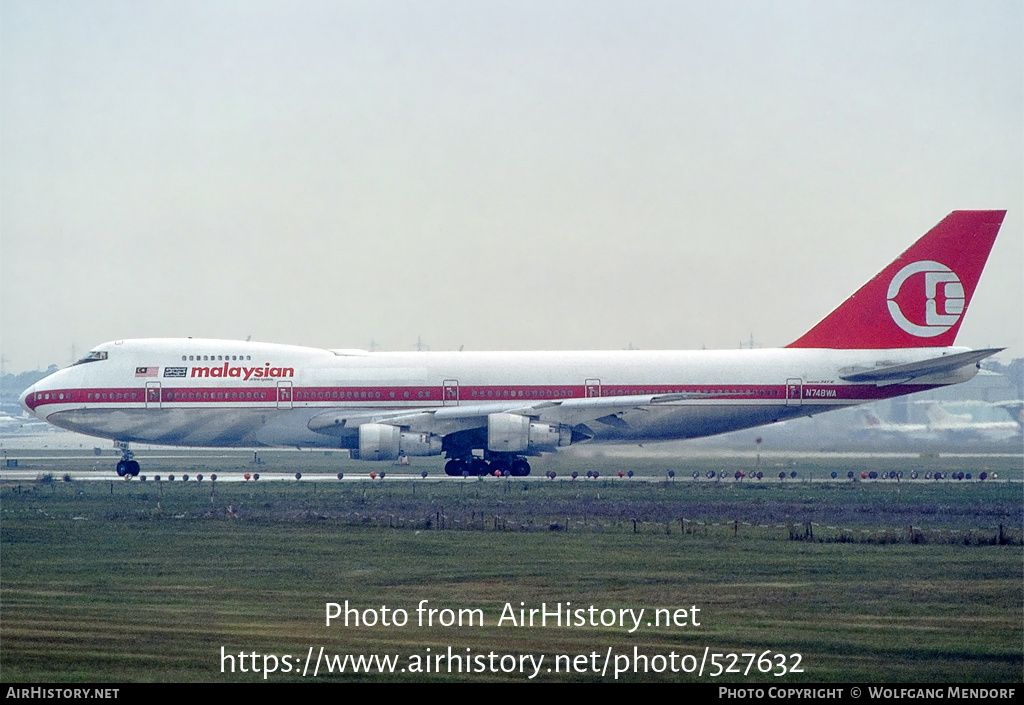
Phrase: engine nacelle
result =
(514, 433)
(413, 443)
(380, 441)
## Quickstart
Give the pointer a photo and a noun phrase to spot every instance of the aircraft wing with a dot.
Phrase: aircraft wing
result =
(936, 366)
(443, 420)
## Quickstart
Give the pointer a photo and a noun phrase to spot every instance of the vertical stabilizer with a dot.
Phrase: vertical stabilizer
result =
(920, 299)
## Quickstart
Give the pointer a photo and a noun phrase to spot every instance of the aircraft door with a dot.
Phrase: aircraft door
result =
(153, 395)
(794, 391)
(284, 395)
(450, 392)
(592, 388)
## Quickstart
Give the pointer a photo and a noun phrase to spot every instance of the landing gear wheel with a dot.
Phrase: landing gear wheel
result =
(455, 468)
(479, 467)
(126, 466)
(520, 468)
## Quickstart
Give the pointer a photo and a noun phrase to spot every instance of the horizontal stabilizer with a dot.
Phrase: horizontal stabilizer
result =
(943, 364)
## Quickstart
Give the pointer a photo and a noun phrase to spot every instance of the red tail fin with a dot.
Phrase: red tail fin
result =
(919, 300)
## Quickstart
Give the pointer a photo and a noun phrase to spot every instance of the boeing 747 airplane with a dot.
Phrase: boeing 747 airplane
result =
(489, 411)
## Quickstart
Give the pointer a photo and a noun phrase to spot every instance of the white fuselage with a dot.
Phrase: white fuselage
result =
(227, 393)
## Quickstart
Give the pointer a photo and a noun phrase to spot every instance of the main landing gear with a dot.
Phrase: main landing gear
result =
(472, 466)
(126, 466)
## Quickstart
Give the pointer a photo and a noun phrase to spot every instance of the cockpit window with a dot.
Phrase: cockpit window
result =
(94, 356)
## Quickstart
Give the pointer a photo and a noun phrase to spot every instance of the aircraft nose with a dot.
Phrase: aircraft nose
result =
(25, 397)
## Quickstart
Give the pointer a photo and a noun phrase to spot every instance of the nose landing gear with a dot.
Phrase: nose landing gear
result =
(127, 466)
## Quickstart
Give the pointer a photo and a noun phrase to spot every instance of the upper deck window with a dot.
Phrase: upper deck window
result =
(94, 356)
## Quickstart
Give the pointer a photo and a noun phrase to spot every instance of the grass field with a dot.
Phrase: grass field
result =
(865, 581)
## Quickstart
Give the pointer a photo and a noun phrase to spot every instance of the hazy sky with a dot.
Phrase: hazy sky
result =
(494, 175)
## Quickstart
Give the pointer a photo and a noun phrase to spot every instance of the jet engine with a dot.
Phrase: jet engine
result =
(514, 433)
(379, 441)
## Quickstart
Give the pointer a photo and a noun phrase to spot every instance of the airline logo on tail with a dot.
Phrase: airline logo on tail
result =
(943, 304)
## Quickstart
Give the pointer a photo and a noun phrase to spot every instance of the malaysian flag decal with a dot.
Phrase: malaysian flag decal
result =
(146, 371)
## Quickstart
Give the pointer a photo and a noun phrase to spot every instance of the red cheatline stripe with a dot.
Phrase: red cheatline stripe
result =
(466, 394)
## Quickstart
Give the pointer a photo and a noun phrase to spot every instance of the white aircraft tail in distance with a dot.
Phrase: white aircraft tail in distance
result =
(969, 421)
(895, 432)
(487, 412)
